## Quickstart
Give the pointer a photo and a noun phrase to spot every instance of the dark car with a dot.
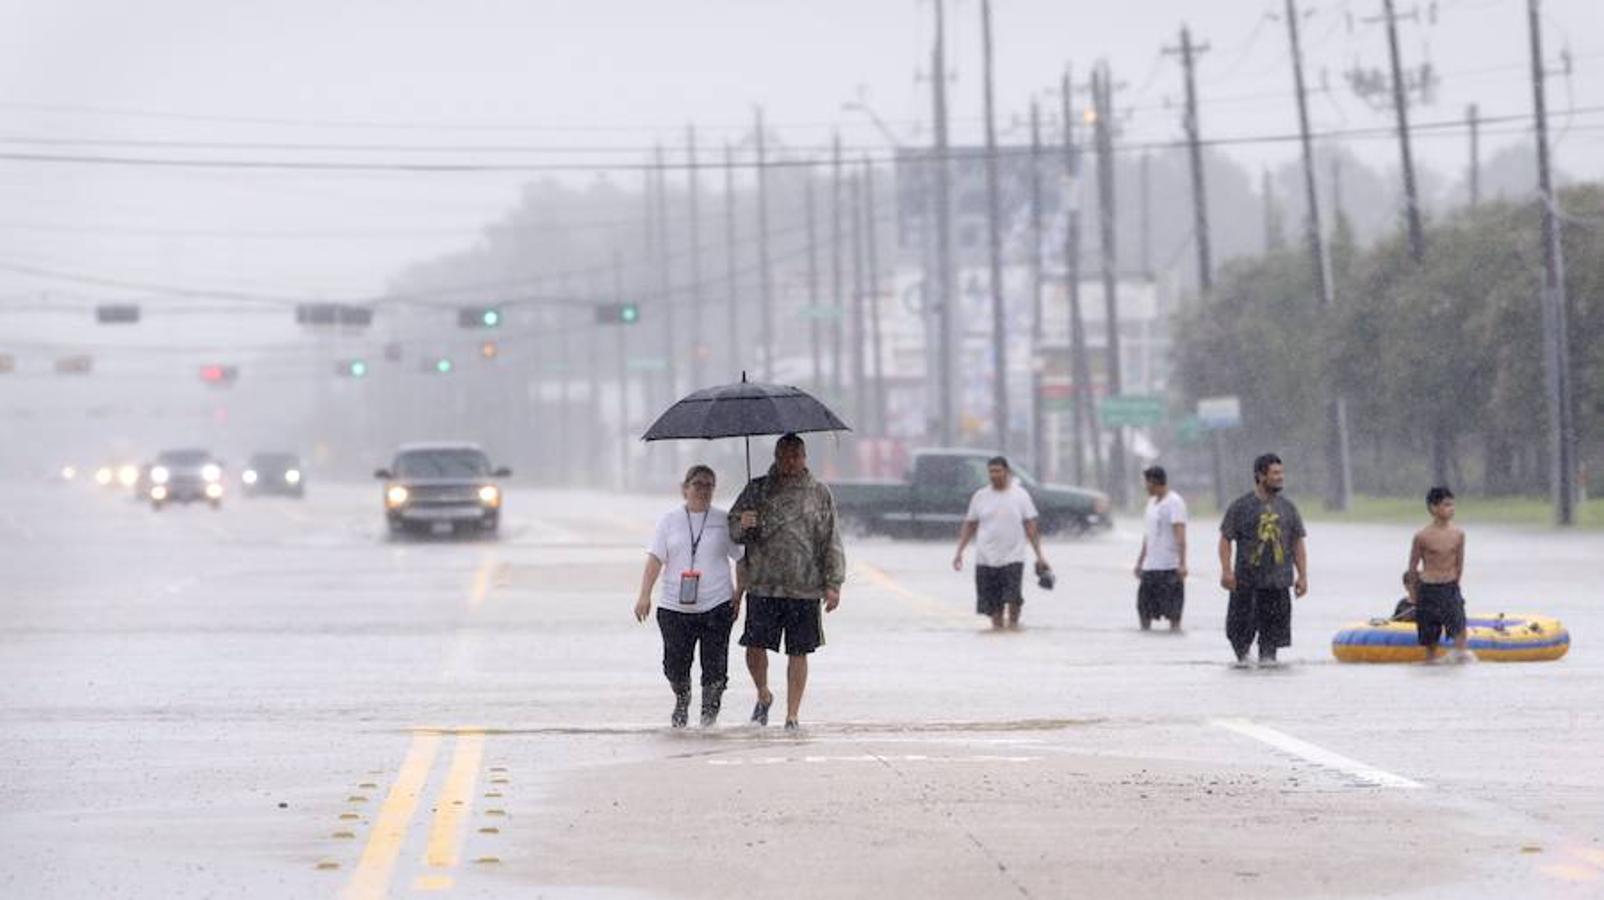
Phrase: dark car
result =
(932, 500)
(273, 473)
(186, 476)
(442, 488)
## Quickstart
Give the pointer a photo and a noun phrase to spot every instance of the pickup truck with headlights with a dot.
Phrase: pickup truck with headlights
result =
(931, 501)
(441, 488)
(182, 476)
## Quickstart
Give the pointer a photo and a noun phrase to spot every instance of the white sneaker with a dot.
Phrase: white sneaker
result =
(1460, 657)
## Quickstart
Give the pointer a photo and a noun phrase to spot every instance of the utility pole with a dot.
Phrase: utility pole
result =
(945, 295)
(765, 274)
(1473, 120)
(1556, 346)
(665, 275)
(1400, 103)
(837, 273)
(1103, 98)
(1145, 183)
(1079, 363)
(593, 363)
(1189, 52)
(1274, 238)
(999, 308)
(814, 324)
(622, 335)
(871, 226)
(1338, 490)
(730, 257)
(860, 384)
(694, 231)
(650, 291)
(1038, 430)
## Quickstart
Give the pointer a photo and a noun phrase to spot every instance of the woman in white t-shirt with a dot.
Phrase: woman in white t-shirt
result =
(698, 600)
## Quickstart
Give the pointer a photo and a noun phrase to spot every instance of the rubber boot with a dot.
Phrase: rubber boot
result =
(712, 699)
(682, 705)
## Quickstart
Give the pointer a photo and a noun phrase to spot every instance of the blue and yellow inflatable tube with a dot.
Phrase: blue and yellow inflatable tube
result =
(1496, 638)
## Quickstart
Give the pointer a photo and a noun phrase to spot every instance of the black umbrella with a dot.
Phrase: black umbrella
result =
(744, 409)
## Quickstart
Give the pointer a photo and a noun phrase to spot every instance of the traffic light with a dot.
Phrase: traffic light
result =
(8, 363)
(478, 317)
(617, 314)
(218, 375)
(351, 368)
(488, 350)
(442, 366)
(117, 313)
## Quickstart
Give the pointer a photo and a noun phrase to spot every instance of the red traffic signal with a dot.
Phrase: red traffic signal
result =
(218, 374)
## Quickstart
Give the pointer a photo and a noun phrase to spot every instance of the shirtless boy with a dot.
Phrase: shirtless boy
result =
(1438, 554)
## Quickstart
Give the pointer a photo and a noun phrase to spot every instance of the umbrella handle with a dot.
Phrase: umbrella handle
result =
(748, 451)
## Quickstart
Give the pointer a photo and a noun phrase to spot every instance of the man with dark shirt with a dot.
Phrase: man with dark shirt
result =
(1271, 564)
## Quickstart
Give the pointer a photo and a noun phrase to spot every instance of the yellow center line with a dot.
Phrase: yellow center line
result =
(482, 581)
(377, 865)
(923, 603)
(456, 802)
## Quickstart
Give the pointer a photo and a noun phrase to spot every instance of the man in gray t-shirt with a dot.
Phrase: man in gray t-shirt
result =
(1270, 564)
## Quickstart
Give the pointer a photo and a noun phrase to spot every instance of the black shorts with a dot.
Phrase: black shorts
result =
(1162, 595)
(799, 622)
(1440, 613)
(996, 586)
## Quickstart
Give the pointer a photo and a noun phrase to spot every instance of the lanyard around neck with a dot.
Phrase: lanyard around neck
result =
(696, 534)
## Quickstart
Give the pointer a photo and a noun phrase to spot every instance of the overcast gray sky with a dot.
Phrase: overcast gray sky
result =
(610, 77)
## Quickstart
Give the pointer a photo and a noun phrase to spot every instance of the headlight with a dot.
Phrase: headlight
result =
(214, 490)
(490, 495)
(159, 492)
(68, 473)
(103, 475)
(395, 495)
(293, 476)
(159, 475)
(211, 472)
(249, 477)
(128, 475)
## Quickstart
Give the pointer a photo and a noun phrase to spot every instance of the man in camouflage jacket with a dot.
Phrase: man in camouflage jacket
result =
(793, 564)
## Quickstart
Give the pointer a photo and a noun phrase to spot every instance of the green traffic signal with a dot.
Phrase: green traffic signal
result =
(442, 365)
(358, 368)
(491, 318)
(629, 313)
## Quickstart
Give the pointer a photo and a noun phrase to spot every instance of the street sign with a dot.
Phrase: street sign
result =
(333, 314)
(1133, 410)
(117, 313)
(1219, 413)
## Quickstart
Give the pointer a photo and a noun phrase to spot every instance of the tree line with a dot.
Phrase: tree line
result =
(1440, 362)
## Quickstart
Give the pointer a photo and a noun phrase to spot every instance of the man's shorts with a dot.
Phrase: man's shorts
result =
(799, 622)
(996, 586)
(1161, 595)
(1440, 613)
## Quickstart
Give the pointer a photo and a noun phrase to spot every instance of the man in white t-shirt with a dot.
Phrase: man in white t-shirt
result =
(1000, 520)
(1161, 566)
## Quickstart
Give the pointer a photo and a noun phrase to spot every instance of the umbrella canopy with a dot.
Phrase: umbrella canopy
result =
(743, 409)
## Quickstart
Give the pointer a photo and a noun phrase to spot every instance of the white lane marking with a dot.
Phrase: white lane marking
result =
(871, 758)
(1317, 755)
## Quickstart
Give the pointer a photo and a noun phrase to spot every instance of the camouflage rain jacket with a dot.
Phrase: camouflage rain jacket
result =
(796, 549)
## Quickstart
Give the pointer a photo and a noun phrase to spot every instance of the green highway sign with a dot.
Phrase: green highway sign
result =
(1132, 410)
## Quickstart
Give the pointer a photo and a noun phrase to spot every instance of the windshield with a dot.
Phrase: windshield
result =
(184, 458)
(442, 464)
(270, 460)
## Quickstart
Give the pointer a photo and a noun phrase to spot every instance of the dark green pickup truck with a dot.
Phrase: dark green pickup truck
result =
(932, 501)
